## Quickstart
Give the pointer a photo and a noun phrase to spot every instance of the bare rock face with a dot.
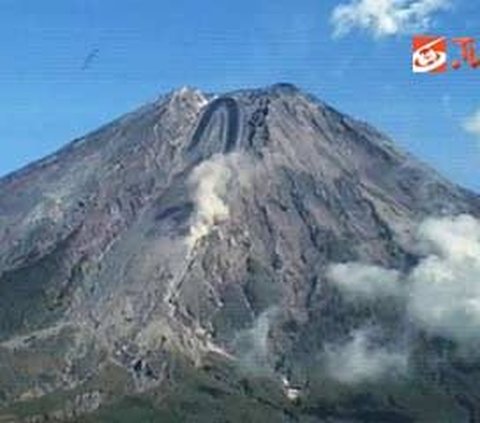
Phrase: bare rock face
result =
(192, 238)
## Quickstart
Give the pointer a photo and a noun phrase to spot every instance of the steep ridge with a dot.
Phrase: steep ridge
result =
(200, 230)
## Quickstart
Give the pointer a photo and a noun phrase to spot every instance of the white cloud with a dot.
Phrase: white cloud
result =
(444, 289)
(472, 125)
(451, 238)
(385, 17)
(442, 292)
(358, 360)
(447, 105)
(360, 281)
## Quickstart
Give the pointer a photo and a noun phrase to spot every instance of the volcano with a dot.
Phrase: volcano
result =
(188, 263)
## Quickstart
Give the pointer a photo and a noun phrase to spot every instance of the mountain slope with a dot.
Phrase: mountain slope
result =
(188, 245)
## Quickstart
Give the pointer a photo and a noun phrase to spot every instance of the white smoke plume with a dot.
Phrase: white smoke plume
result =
(252, 345)
(211, 183)
(359, 361)
(442, 292)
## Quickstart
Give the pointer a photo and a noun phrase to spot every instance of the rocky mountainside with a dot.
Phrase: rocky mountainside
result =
(195, 261)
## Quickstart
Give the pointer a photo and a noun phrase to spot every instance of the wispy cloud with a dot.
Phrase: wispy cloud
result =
(472, 125)
(360, 281)
(252, 345)
(385, 17)
(359, 360)
(447, 105)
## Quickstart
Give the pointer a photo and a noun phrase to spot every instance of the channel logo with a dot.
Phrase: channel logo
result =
(429, 54)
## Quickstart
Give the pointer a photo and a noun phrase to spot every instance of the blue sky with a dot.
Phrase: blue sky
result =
(361, 65)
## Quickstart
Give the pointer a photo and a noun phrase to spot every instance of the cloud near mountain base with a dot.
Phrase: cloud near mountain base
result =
(359, 361)
(442, 292)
